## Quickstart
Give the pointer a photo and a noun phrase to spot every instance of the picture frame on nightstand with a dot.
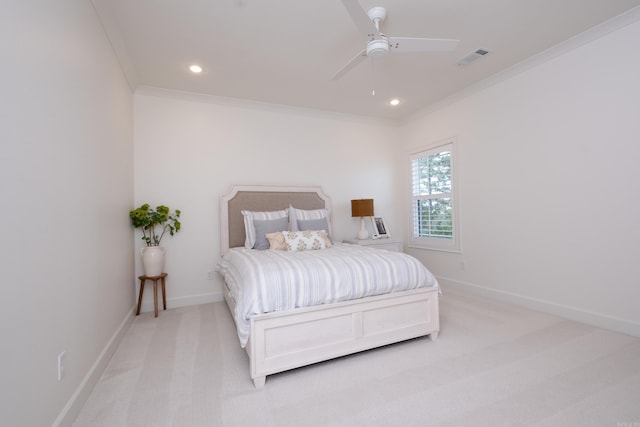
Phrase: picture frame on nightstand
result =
(380, 230)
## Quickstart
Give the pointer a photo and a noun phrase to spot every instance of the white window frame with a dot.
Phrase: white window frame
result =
(435, 243)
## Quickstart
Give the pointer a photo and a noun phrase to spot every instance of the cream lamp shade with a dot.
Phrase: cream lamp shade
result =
(362, 208)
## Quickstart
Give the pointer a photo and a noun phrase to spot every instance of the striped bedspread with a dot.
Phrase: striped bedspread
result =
(266, 281)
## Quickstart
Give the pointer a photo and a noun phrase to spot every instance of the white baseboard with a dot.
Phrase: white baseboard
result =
(573, 313)
(84, 389)
(181, 301)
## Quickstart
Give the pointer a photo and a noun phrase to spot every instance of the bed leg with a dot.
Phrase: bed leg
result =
(434, 336)
(258, 382)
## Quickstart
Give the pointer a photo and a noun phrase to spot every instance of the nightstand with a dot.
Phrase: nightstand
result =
(389, 244)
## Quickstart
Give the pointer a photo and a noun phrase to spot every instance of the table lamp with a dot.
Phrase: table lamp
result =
(362, 208)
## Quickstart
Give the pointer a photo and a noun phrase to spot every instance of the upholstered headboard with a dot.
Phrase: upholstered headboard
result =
(262, 198)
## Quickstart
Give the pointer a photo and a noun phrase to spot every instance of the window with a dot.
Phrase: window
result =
(432, 202)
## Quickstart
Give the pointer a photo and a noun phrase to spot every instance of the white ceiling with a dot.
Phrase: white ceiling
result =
(285, 51)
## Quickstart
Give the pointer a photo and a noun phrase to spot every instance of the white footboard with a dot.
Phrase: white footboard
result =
(287, 340)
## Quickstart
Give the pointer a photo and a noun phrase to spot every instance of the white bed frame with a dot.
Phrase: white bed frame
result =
(290, 339)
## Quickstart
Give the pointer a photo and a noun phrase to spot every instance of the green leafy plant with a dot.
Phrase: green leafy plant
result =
(155, 223)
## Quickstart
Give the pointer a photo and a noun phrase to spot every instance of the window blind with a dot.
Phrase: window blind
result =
(432, 197)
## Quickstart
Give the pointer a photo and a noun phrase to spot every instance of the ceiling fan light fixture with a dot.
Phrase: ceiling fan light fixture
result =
(377, 47)
(195, 68)
(394, 102)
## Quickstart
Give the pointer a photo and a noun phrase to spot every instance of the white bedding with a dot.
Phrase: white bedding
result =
(262, 281)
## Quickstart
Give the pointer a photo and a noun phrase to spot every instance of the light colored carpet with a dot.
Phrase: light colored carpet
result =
(494, 364)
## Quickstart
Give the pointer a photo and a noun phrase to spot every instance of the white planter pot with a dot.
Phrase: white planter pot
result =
(153, 260)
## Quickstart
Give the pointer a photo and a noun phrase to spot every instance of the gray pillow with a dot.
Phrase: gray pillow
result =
(314, 224)
(264, 226)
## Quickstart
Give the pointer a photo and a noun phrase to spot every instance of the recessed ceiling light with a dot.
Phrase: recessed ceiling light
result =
(394, 102)
(195, 68)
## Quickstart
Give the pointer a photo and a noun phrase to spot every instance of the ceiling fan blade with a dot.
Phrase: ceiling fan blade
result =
(349, 65)
(410, 44)
(360, 18)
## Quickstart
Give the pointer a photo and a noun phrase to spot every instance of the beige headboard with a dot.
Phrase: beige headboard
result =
(262, 198)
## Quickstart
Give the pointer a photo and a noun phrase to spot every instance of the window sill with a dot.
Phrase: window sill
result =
(434, 248)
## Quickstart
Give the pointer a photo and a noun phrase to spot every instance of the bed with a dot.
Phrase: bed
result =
(287, 335)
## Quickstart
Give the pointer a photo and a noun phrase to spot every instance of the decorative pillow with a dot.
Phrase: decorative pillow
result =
(301, 214)
(305, 240)
(276, 241)
(315, 224)
(264, 226)
(250, 229)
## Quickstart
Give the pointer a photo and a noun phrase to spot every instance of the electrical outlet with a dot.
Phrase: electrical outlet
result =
(210, 275)
(61, 359)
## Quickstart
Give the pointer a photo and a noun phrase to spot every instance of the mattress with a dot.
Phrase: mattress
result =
(264, 281)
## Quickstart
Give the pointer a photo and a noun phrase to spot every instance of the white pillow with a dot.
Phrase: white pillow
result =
(296, 214)
(249, 227)
(305, 240)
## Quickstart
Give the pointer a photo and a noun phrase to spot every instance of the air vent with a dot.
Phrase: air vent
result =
(476, 54)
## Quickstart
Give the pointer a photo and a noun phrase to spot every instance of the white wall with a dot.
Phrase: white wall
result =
(549, 184)
(190, 149)
(66, 172)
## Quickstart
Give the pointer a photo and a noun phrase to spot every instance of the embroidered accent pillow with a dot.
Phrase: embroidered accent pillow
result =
(277, 242)
(305, 240)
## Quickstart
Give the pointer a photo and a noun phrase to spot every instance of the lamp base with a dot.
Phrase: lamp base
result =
(363, 234)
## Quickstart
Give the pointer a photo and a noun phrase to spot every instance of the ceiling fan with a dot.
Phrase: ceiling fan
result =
(368, 22)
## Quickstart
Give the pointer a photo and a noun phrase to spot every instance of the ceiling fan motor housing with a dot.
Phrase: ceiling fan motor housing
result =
(377, 13)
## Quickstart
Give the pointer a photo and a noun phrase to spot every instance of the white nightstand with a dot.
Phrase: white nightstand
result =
(389, 244)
